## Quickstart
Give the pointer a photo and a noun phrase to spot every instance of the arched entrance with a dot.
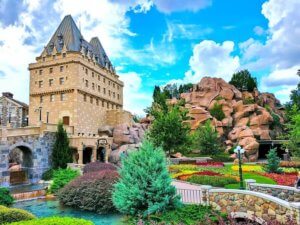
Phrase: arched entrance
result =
(101, 152)
(87, 155)
(20, 164)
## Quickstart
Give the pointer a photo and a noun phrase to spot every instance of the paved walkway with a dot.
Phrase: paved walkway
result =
(185, 185)
(189, 193)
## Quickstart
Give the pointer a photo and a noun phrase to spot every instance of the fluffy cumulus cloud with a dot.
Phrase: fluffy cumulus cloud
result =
(134, 98)
(212, 59)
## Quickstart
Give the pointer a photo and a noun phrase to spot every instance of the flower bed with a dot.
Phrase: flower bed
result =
(210, 164)
(204, 173)
(287, 179)
(248, 168)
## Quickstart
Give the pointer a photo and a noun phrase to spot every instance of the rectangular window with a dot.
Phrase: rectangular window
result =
(40, 83)
(64, 55)
(118, 87)
(109, 82)
(91, 99)
(99, 77)
(109, 93)
(99, 88)
(84, 97)
(102, 103)
(97, 101)
(86, 83)
(62, 96)
(44, 59)
(54, 57)
(61, 68)
(50, 70)
(40, 72)
(61, 80)
(92, 74)
(103, 79)
(118, 96)
(50, 82)
(93, 86)
(114, 85)
(108, 105)
(86, 71)
(114, 94)
(104, 91)
(41, 99)
(51, 98)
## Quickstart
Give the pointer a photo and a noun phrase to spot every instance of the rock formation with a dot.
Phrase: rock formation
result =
(125, 138)
(249, 116)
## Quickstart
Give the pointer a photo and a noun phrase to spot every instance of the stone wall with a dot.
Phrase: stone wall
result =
(286, 193)
(252, 205)
(39, 147)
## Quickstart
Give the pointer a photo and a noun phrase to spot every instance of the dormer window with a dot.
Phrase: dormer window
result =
(64, 55)
(61, 68)
(40, 72)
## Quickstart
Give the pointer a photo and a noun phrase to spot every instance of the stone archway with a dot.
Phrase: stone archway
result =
(87, 155)
(20, 163)
(101, 154)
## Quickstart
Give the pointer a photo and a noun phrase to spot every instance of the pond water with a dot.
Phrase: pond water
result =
(26, 188)
(45, 208)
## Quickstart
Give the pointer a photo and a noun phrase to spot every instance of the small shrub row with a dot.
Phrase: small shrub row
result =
(216, 181)
(91, 191)
(55, 221)
(210, 164)
(98, 166)
(5, 197)
(61, 177)
(187, 214)
(9, 215)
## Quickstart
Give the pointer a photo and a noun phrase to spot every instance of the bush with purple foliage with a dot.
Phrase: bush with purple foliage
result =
(92, 191)
(98, 166)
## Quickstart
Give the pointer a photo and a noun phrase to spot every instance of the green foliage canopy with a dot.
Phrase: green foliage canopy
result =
(217, 111)
(243, 81)
(5, 197)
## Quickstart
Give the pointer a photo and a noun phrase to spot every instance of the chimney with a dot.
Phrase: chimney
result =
(7, 94)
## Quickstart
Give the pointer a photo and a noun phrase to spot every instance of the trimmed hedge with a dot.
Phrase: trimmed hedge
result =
(216, 181)
(92, 192)
(55, 221)
(98, 166)
(5, 197)
(9, 215)
(48, 174)
(62, 177)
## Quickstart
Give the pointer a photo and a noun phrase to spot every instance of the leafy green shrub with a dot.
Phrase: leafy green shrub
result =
(248, 101)
(206, 139)
(215, 181)
(91, 191)
(187, 214)
(62, 177)
(98, 166)
(48, 174)
(219, 98)
(9, 215)
(217, 112)
(55, 221)
(5, 197)
(273, 165)
(221, 158)
(145, 186)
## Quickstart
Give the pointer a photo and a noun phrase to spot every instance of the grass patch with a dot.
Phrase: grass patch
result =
(259, 179)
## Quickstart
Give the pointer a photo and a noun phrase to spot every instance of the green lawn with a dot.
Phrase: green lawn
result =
(259, 179)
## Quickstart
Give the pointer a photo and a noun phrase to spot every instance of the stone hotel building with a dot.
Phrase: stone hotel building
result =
(73, 81)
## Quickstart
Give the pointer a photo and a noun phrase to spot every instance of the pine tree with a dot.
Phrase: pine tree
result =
(61, 153)
(273, 162)
(144, 186)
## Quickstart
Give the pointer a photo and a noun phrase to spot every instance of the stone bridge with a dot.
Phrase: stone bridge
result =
(253, 205)
(35, 145)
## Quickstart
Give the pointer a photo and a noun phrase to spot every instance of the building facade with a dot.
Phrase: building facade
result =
(13, 113)
(73, 81)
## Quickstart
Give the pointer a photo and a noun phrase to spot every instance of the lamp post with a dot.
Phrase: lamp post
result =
(239, 151)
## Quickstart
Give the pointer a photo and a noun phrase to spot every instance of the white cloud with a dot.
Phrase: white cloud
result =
(169, 6)
(178, 30)
(258, 30)
(212, 59)
(135, 99)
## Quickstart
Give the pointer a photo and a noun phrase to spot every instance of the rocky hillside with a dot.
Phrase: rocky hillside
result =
(247, 116)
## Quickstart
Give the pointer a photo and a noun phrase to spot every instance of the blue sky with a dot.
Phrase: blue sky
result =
(154, 42)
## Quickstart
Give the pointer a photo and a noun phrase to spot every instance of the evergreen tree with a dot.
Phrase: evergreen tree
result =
(168, 130)
(145, 186)
(293, 135)
(207, 140)
(61, 153)
(243, 81)
(273, 162)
